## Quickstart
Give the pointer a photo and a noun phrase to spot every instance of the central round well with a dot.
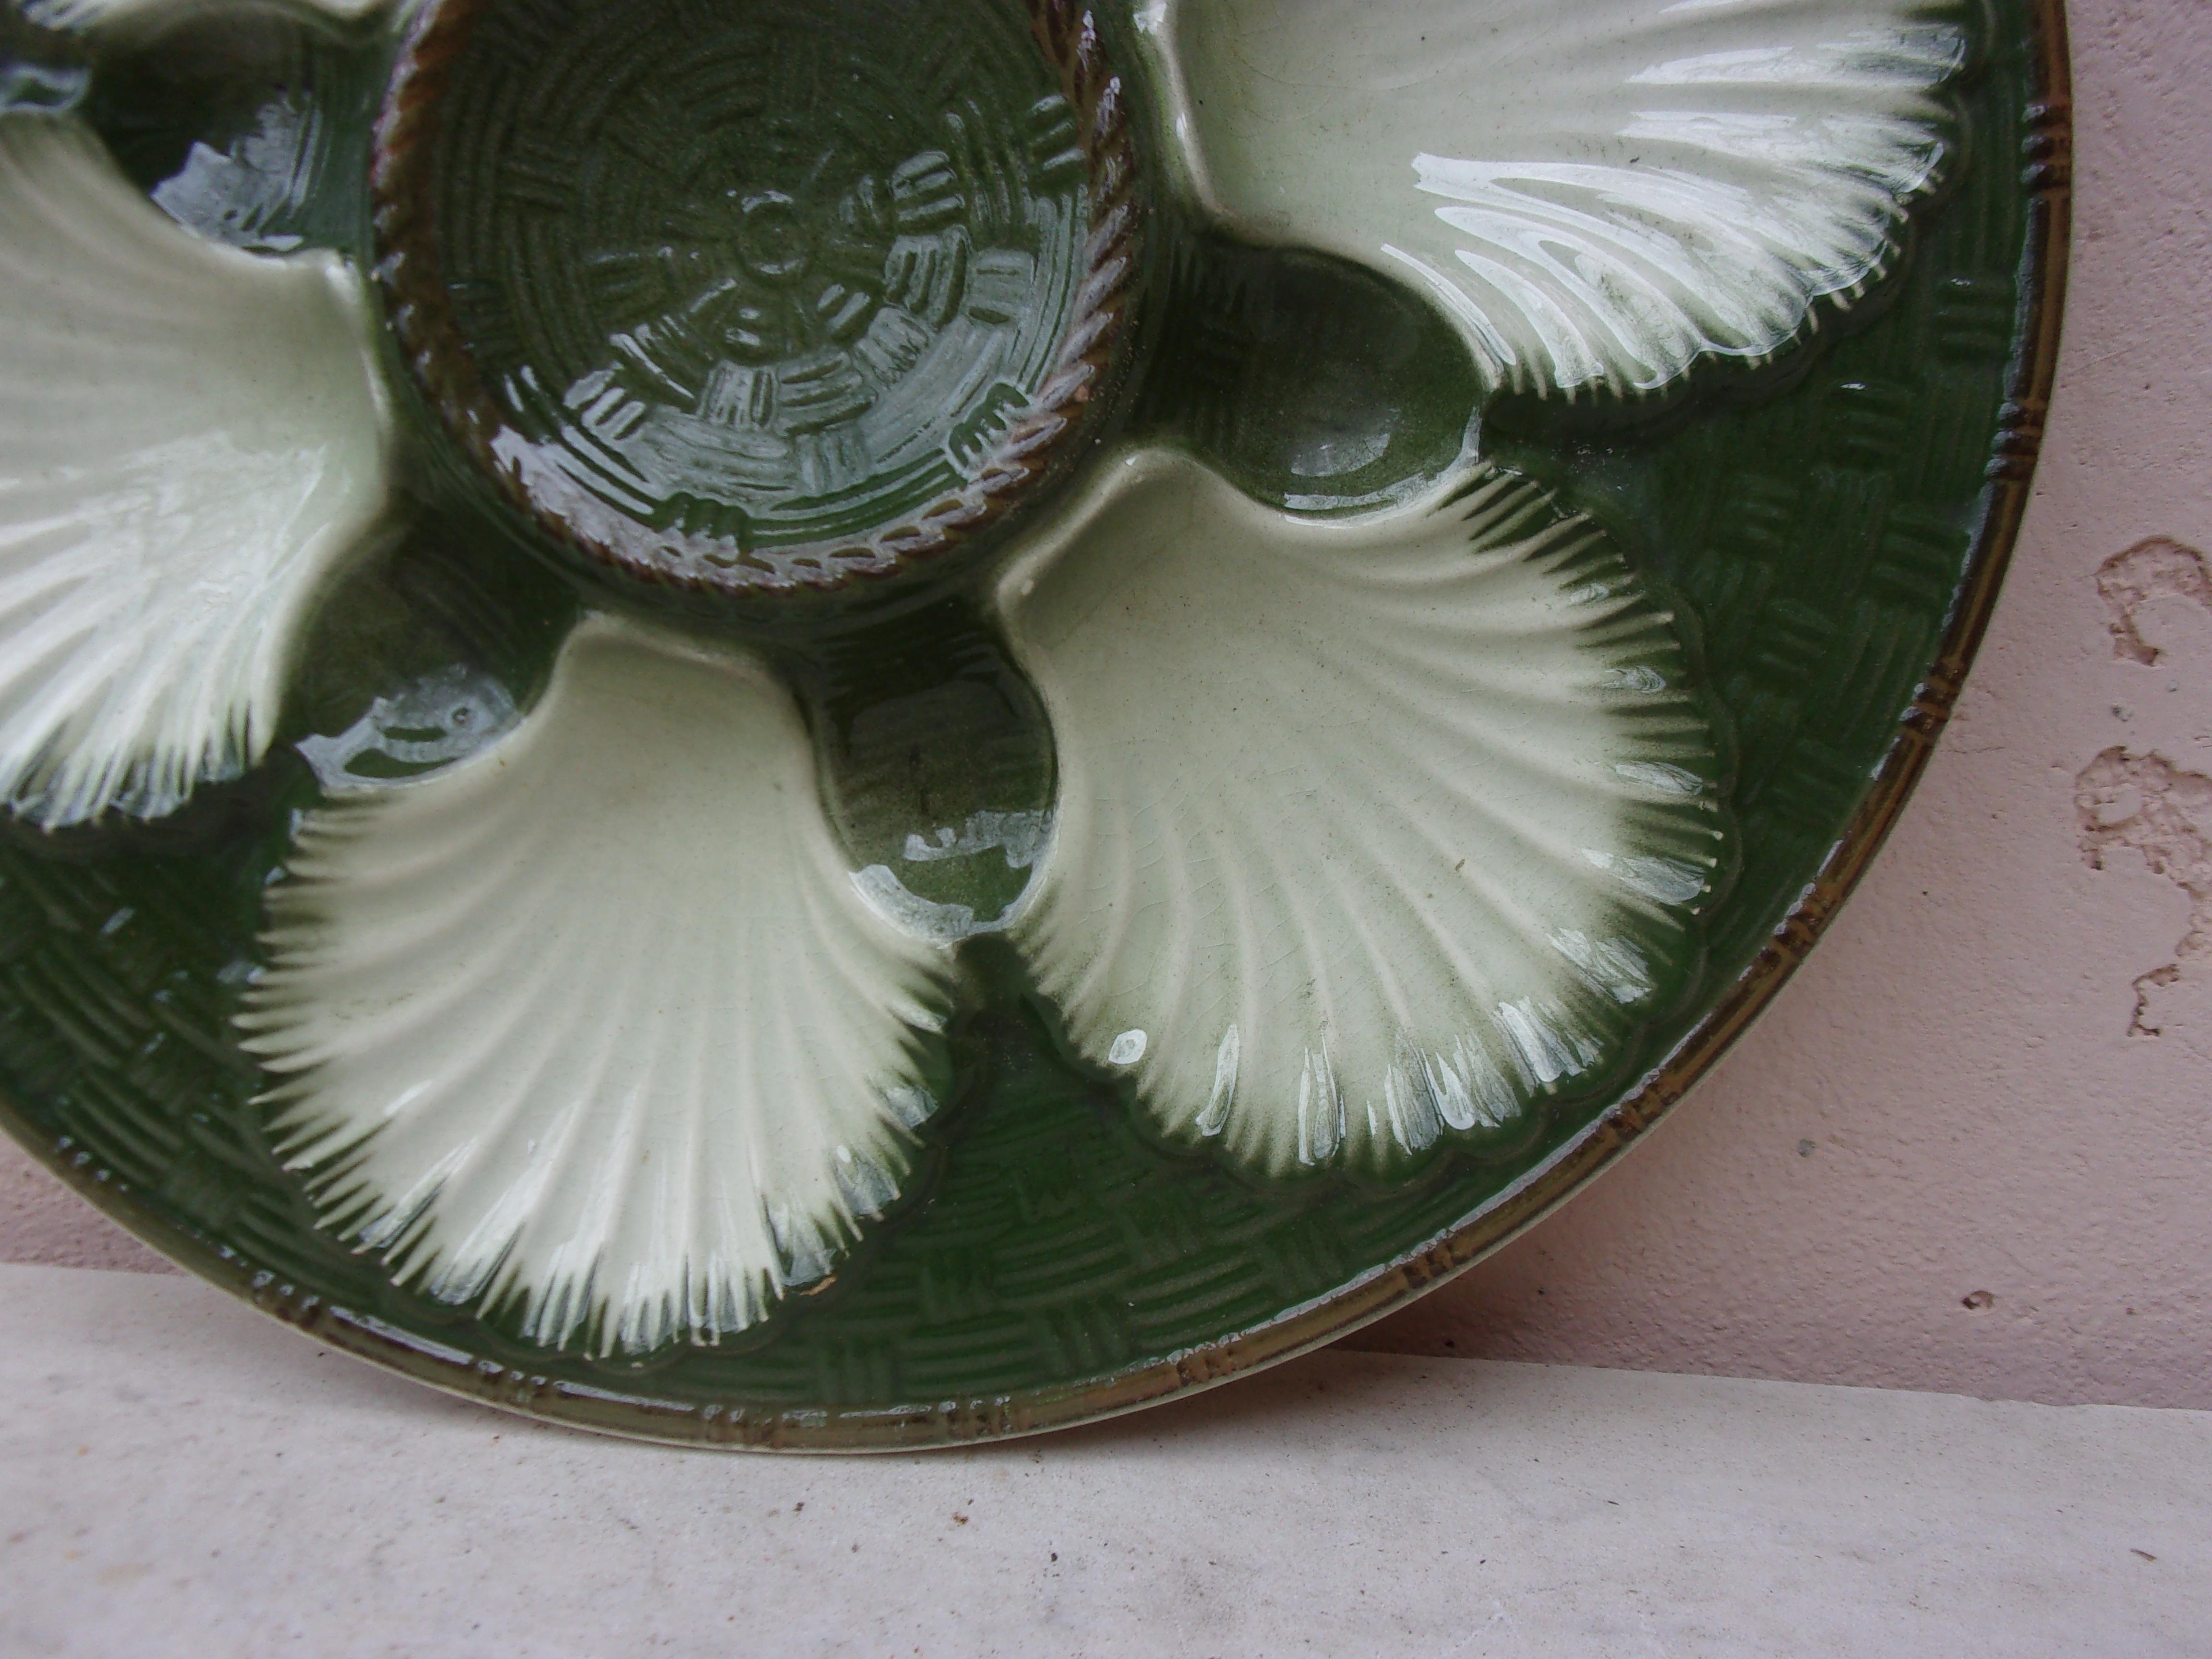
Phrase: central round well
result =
(743, 295)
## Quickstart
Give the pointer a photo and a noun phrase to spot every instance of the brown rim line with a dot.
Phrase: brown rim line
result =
(1395, 1284)
(1042, 445)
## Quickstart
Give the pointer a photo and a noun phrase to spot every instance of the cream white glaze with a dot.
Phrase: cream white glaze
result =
(595, 1025)
(1370, 834)
(1596, 194)
(192, 441)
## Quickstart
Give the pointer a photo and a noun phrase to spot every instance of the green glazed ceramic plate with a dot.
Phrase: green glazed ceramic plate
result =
(857, 723)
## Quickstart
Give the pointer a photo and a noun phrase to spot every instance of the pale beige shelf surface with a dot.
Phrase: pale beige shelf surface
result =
(180, 1476)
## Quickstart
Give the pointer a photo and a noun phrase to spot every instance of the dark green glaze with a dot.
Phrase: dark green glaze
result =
(772, 274)
(760, 299)
(250, 125)
(1311, 384)
(1815, 519)
(937, 761)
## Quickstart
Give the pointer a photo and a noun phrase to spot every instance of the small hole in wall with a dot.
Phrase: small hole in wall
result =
(1805, 1148)
(1978, 1300)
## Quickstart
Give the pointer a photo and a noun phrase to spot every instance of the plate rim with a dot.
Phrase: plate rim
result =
(2047, 180)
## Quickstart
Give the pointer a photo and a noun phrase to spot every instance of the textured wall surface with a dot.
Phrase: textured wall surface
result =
(1970, 1148)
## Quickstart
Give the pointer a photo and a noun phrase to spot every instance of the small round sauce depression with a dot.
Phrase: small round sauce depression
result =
(753, 299)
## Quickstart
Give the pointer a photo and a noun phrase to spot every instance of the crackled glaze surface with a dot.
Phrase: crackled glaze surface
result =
(1303, 839)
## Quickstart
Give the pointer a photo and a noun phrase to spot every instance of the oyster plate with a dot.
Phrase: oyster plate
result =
(852, 725)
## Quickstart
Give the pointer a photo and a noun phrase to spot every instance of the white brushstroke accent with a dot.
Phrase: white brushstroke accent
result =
(1325, 790)
(879, 888)
(191, 441)
(1019, 835)
(1596, 194)
(593, 1022)
(467, 708)
(1225, 1059)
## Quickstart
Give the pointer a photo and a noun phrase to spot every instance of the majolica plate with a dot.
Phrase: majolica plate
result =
(853, 723)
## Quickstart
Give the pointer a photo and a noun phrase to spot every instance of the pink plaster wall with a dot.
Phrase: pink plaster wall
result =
(1953, 1155)
(1970, 1148)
